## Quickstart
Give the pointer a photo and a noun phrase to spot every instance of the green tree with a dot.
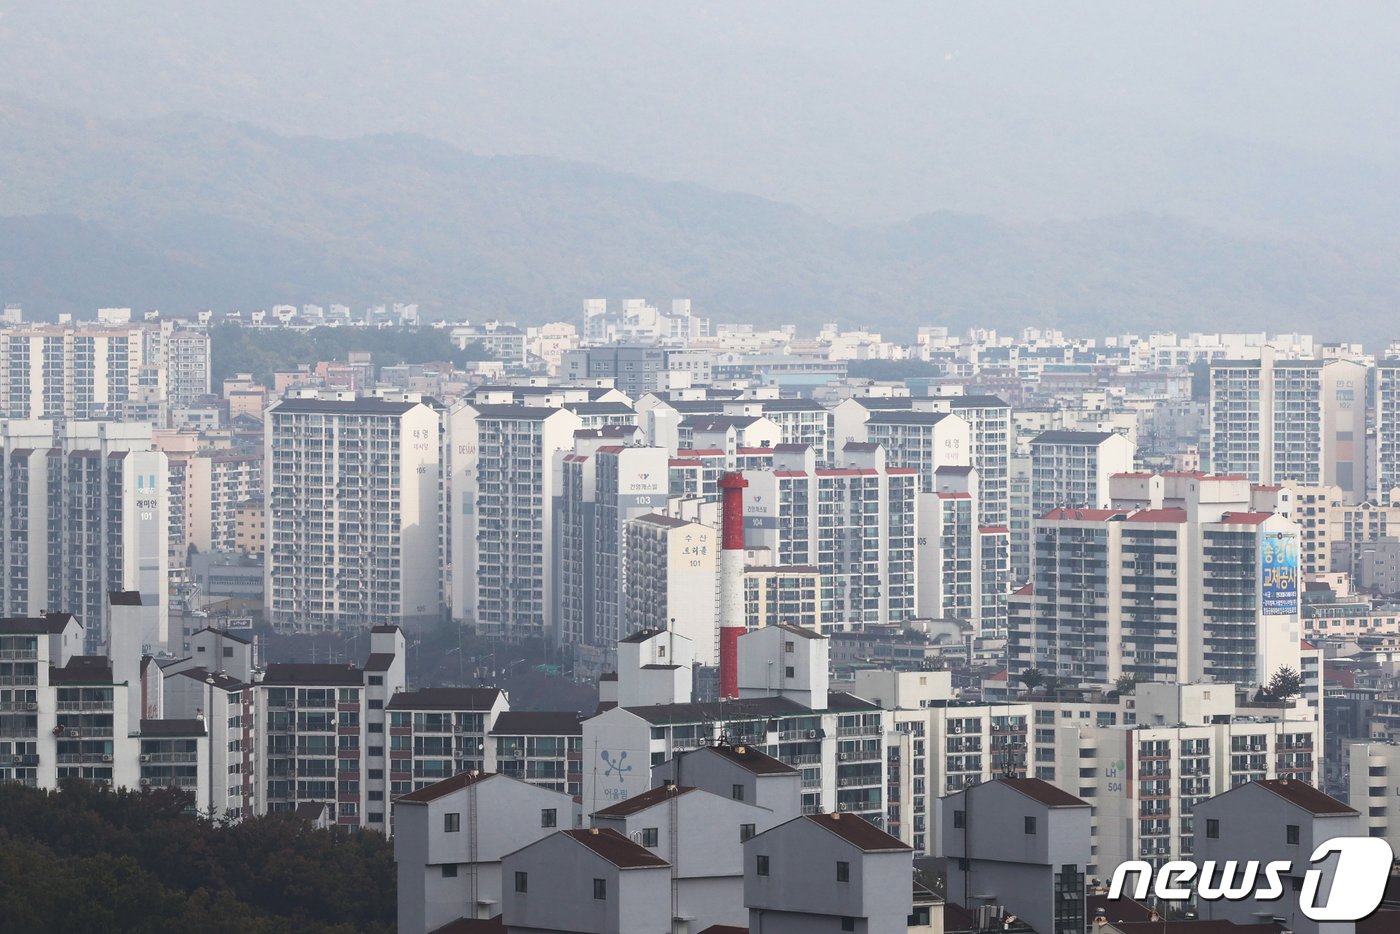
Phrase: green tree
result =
(1032, 678)
(1285, 684)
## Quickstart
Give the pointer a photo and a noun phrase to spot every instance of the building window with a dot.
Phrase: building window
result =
(449, 870)
(745, 832)
(959, 820)
(1292, 833)
(761, 867)
(1030, 825)
(522, 881)
(600, 889)
(1212, 828)
(843, 871)
(451, 823)
(376, 680)
(549, 817)
(790, 672)
(650, 837)
(737, 792)
(788, 646)
(848, 924)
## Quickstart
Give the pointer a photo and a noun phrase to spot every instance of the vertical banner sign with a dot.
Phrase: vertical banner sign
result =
(1280, 571)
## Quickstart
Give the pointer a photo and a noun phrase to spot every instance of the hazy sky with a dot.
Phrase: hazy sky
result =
(1227, 112)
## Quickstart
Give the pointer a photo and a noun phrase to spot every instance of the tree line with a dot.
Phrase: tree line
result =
(84, 858)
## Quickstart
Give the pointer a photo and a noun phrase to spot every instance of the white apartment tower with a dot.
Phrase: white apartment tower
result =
(99, 370)
(1299, 421)
(672, 568)
(855, 523)
(504, 483)
(603, 487)
(352, 509)
(1196, 586)
(1072, 468)
(85, 513)
(1385, 474)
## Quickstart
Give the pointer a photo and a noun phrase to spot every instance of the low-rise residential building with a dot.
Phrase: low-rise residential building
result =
(1270, 821)
(827, 873)
(699, 834)
(587, 881)
(450, 837)
(1023, 844)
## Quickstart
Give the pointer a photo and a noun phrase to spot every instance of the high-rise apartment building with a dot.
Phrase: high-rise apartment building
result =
(672, 567)
(1385, 473)
(100, 370)
(856, 523)
(603, 486)
(85, 513)
(1194, 586)
(1299, 421)
(504, 481)
(352, 512)
(326, 737)
(1072, 468)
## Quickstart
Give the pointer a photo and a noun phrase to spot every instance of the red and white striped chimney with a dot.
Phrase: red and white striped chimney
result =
(731, 583)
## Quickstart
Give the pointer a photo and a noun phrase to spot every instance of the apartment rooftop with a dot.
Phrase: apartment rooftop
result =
(538, 723)
(445, 699)
(615, 848)
(298, 674)
(443, 788)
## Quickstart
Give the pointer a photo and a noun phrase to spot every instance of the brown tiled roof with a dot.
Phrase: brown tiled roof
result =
(641, 635)
(444, 787)
(1382, 922)
(1047, 794)
(616, 849)
(445, 699)
(754, 760)
(643, 801)
(857, 831)
(472, 926)
(1305, 796)
(83, 669)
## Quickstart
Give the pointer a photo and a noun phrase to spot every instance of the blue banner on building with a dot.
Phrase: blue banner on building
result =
(1280, 569)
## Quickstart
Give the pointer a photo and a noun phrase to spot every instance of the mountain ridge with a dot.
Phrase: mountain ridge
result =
(184, 212)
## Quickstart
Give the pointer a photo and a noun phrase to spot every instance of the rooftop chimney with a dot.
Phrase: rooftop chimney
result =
(731, 583)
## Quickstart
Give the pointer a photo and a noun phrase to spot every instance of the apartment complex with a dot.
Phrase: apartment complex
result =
(325, 736)
(604, 486)
(100, 371)
(855, 523)
(1072, 468)
(503, 487)
(353, 506)
(1291, 421)
(85, 512)
(1188, 588)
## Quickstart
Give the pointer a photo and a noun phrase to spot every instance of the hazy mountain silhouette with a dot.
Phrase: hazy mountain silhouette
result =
(185, 212)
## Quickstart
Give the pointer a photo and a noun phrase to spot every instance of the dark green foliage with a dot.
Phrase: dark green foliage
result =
(262, 352)
(1285, 684)
(85, 859)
